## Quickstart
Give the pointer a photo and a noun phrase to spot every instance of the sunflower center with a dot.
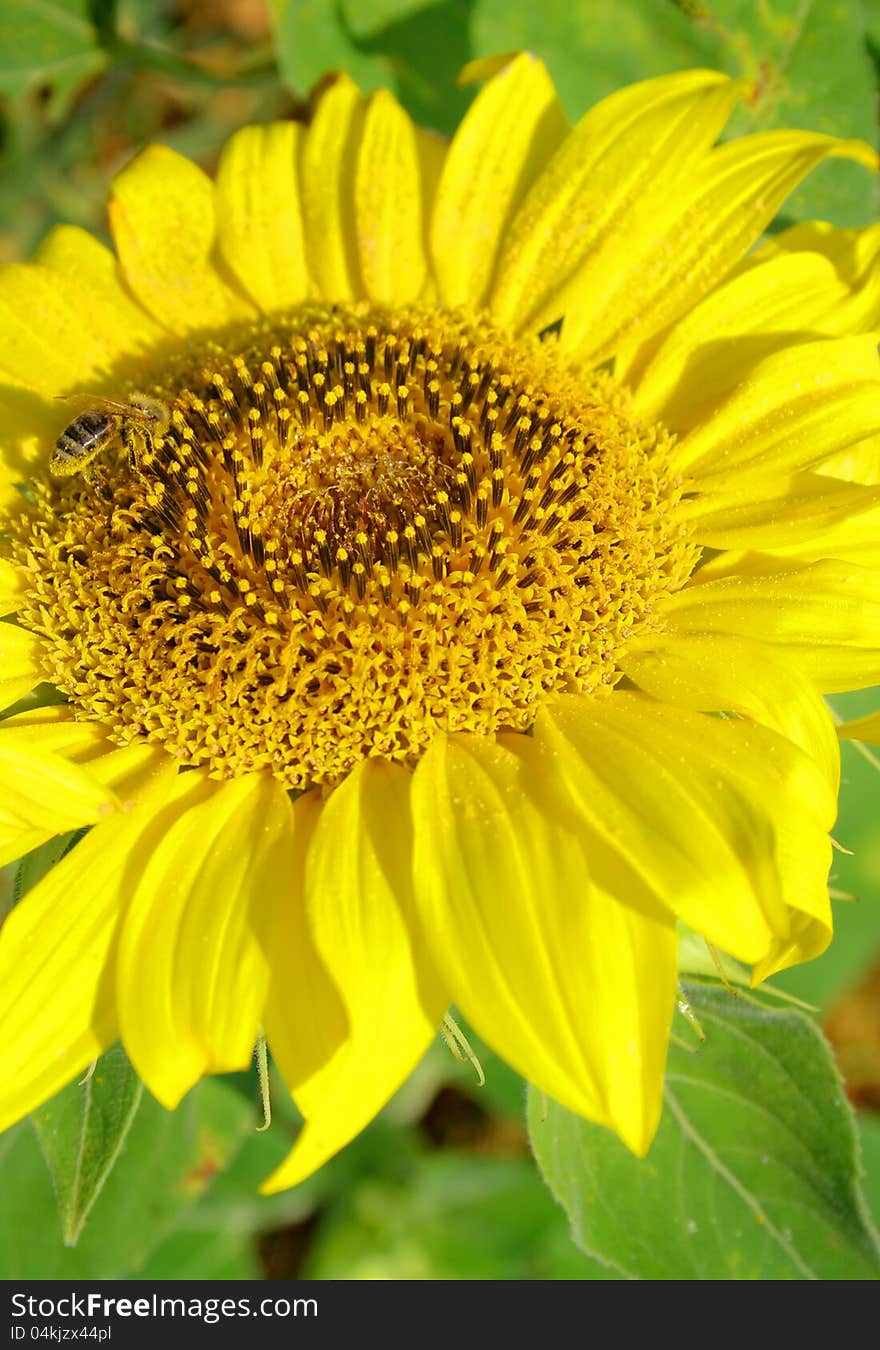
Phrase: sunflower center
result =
(359, 529)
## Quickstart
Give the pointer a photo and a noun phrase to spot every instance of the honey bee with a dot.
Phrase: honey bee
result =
(102, 421)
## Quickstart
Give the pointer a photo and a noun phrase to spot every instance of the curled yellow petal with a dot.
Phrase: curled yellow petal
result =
(191, 976)
(572, 988)
(722, 674)
(722, 822)
(361, 916)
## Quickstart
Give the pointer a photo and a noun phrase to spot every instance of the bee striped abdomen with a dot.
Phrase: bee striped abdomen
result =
(81, 442)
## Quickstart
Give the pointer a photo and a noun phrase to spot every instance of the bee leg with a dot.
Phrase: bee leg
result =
(138, 443)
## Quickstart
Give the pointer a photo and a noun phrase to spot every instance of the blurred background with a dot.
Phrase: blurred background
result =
(443, 1185)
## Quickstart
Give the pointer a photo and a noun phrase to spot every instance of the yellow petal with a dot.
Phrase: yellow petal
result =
(810, 512)
(714, 346)
(20, 668)
(792, 410)
(573, 989)
(723, 674)
(361, 913)
(304, 1020)
(861, 729)
(57, 996)
(674, 246)
(512, 128)
(44, 795)
(48, 343)
(12, 587)
(327, 172)
(859, 463)
(162, 217)
(259, 214)
(722, 822)
(642, 142)
(77, 256)
(29, 426)
(191, 975)
(128, 769)
(854, 254)
(825, 616)
(389, 205)
(55, 728)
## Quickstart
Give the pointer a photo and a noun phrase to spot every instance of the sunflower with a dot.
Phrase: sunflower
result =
(459, 541)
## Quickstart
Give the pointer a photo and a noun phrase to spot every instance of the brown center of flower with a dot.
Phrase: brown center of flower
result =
(361, 529)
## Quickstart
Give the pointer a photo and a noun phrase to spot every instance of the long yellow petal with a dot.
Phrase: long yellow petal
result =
(304, 1019)
(674, 246)
(163, 222)
(722, 674)
(327, 173)
(810, 512)
(792, 410)
(388, 204)
(574, 990)
(20, 666)
(512, 128)
(259, 214)
(191, 976)
(642, 142)
(713, 347)
(825, 616)
(722, 822)
(361, 913)
(44, 795)
(57, 995)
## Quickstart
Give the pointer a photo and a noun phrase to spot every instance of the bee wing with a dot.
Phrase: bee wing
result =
(97, 403)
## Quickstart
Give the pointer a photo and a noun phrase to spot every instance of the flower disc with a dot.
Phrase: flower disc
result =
(357, 528)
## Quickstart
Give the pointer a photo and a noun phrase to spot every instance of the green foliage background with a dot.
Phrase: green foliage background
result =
(760, 1170)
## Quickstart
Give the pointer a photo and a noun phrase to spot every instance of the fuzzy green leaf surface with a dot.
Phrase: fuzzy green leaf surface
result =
(754, 1173)
(51, 43)
(81, 1132)
(167, 1163)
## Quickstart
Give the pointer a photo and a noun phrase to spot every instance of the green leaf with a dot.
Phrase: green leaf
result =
(592, 47)
(754, 1173)
(410, 46)
(47, 42)
(82, 1131)
(811, 69)
(169, 1161)
(809, 62)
